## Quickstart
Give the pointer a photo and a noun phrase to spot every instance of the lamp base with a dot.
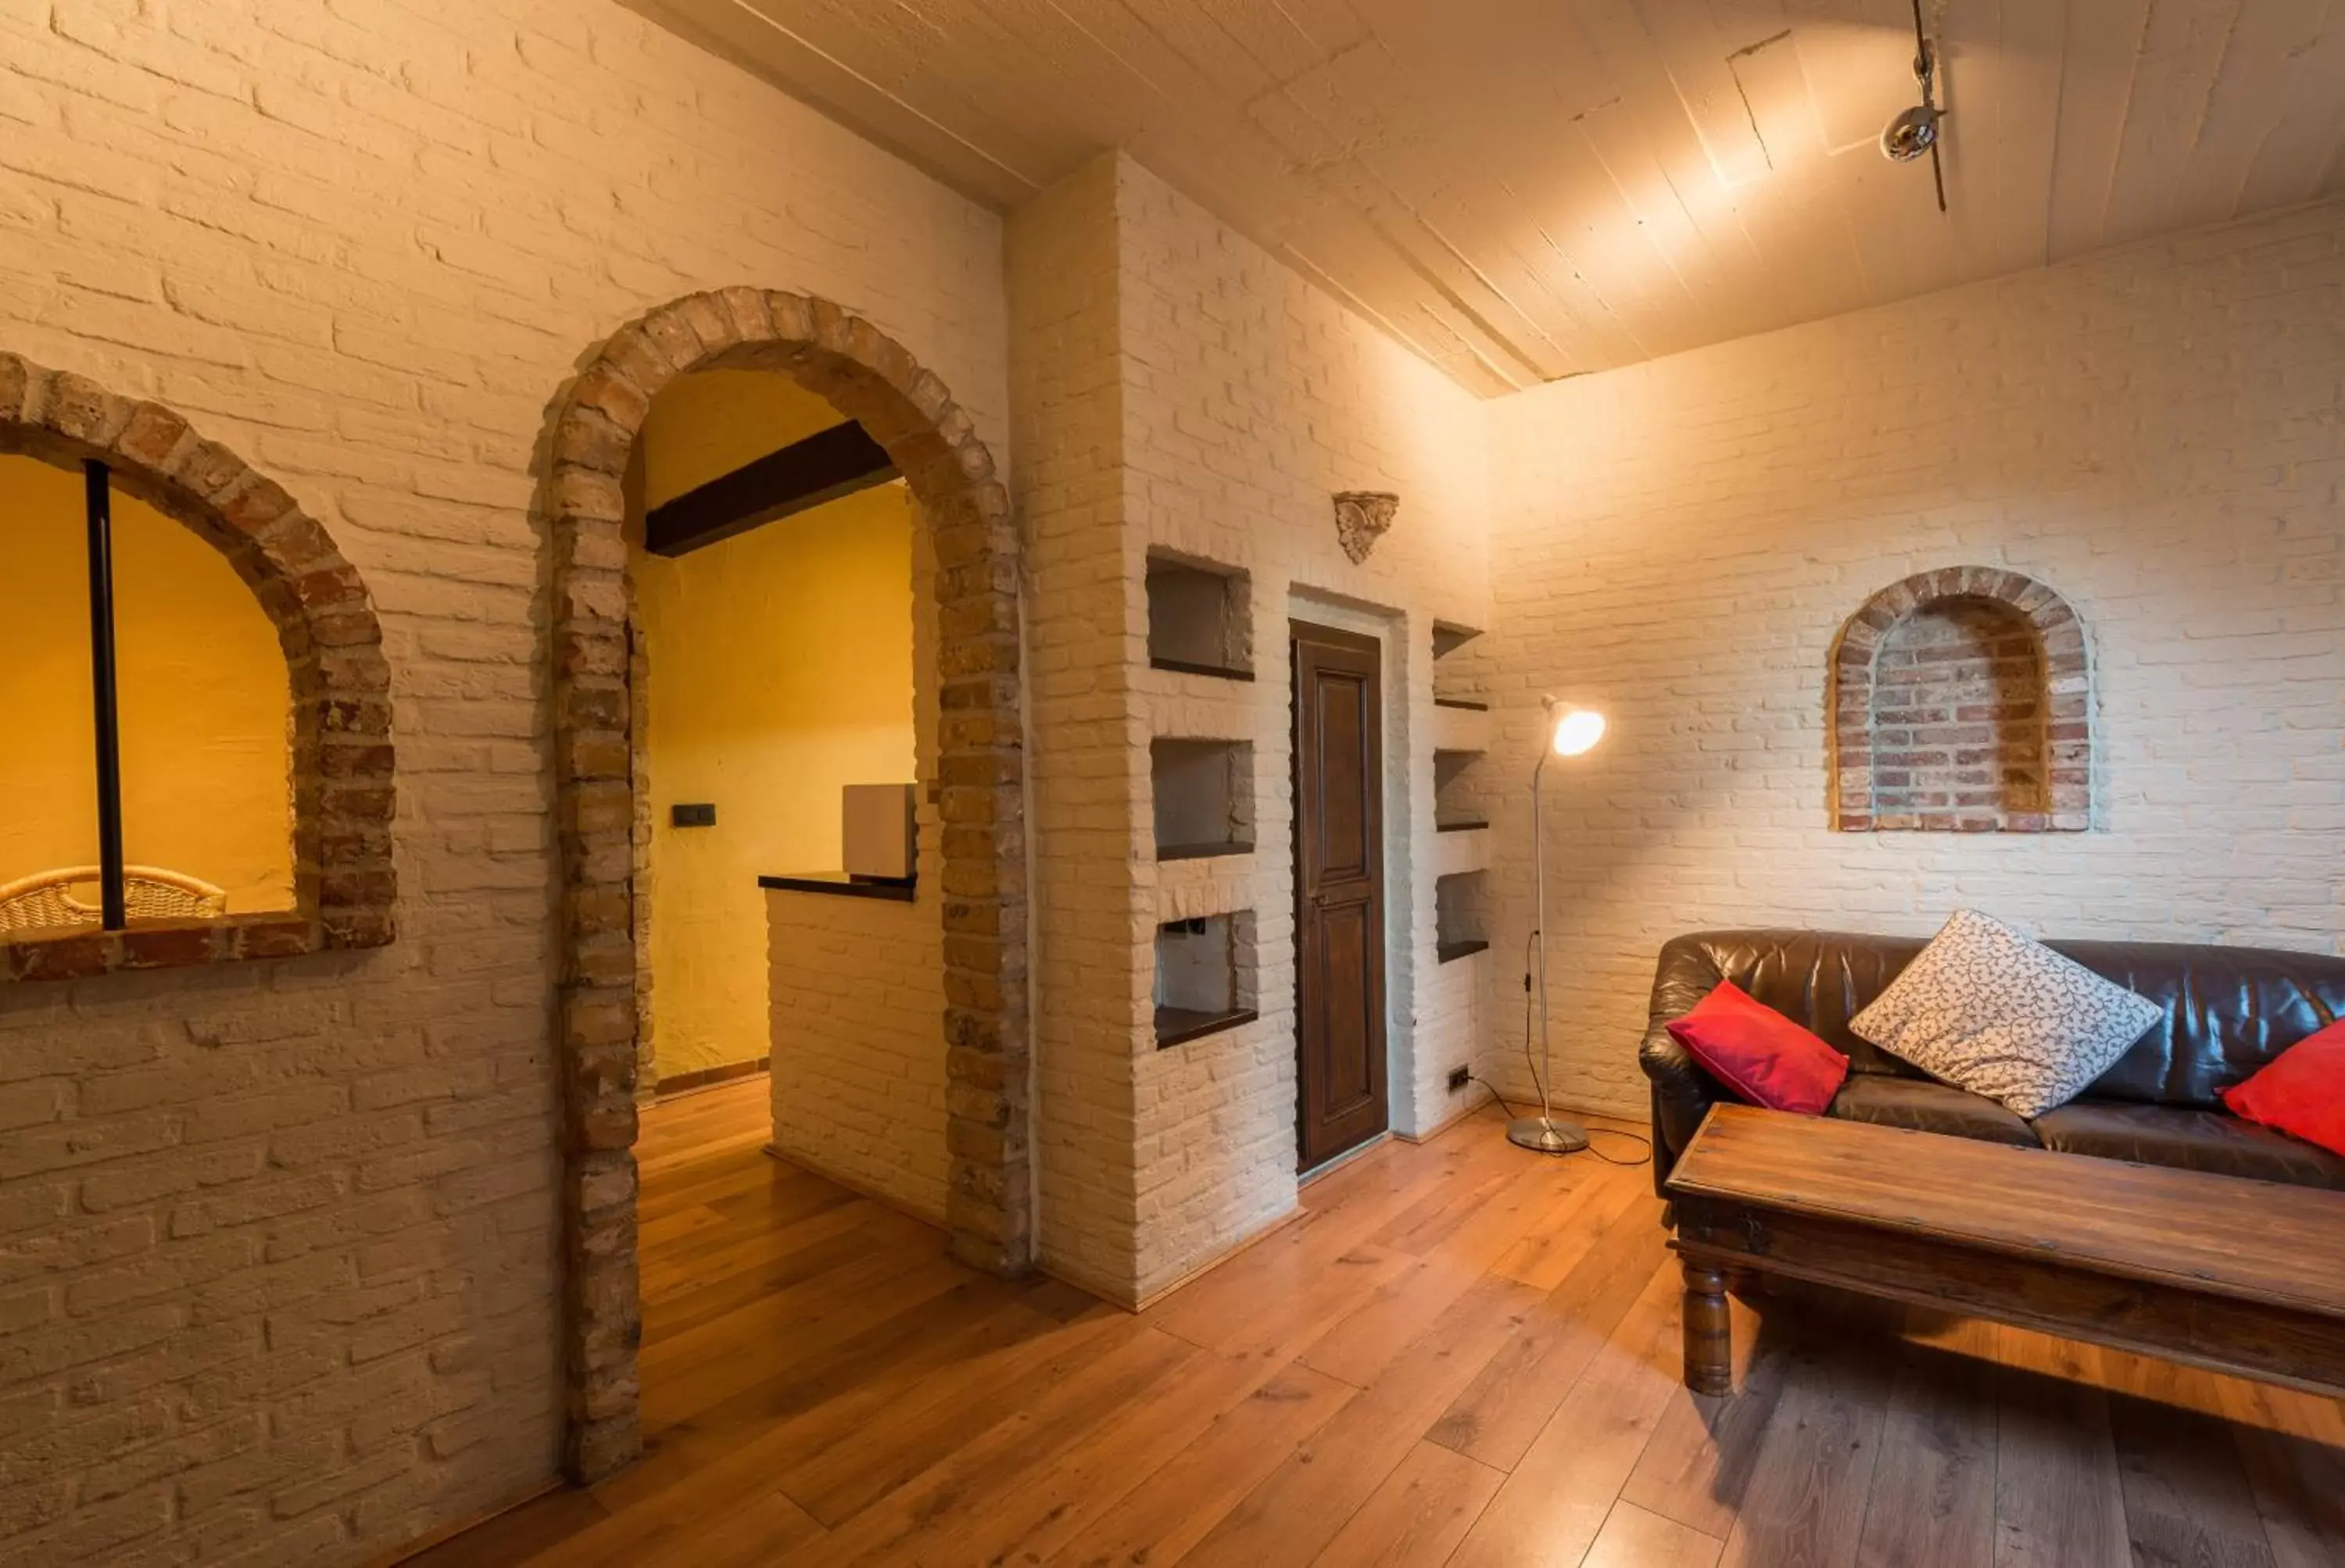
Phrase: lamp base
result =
(1546, 1135)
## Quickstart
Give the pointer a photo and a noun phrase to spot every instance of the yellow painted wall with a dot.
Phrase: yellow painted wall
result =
(780, 667)
(706, 424)
(207, 762)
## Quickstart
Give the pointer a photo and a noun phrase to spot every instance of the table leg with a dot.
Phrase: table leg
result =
(1709, 1332)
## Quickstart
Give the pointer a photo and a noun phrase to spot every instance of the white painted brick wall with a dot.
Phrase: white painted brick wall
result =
(858, 1071)
(2160, 434)
(1087, 751)
(1176, 387)
(1252, 400)
(278, 1244)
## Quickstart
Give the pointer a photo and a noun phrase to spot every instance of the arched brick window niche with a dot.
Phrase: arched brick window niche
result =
(982, 1034)
(340, 752)
(1961, 702)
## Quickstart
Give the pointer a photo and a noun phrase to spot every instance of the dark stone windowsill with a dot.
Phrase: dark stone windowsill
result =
(1179, 1025)
(840, 885)
(1189, 666)
(1201, 852)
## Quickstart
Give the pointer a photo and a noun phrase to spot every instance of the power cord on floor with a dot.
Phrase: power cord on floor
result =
(1641, 1141)
(1532, 949)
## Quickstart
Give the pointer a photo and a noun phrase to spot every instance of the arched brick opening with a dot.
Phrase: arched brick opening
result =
(343, 884)
(979, 771)
(1960, 701)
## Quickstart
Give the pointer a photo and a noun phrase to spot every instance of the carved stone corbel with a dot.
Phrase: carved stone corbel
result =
(1360, 518)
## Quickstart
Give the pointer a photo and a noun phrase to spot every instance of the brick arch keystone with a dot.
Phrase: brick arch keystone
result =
(344, 884)
(2067, 698)
(869, 377)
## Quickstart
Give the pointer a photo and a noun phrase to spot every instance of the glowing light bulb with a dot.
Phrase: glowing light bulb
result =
(1577, 730)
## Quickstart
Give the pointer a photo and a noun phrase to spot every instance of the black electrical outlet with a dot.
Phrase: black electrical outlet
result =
(1460, 1077)
(698, 816)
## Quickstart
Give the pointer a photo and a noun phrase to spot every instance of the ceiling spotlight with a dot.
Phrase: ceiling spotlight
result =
(1917, 131)
(1912, 133)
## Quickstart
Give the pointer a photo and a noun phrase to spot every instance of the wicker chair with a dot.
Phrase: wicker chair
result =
(46, 902)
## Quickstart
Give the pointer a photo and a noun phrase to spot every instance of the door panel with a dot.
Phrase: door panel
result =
(1347, 1079)
(1339, 918)
(1344, 849)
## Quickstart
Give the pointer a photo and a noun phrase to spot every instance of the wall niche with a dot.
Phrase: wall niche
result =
(1961, 702)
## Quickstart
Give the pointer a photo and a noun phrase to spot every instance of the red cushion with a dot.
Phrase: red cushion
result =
(2302, 1092)
(1759, 1054)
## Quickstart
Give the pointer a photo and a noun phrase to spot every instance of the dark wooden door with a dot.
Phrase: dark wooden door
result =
(1339, 892)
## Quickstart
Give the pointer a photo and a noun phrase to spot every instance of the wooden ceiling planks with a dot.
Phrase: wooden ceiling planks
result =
(1049, 96)
(2018, 71)
(2304, 152)
(1334, 25)
(759, 44)
(1696, 53)
(1077, 85)
(1859, 59)
(2250, 95)
(2103, 43)
(1713, 293)
(1392, 292)
(1379, 162)
(2182, 55)
(1521, 189)
(1649, 131)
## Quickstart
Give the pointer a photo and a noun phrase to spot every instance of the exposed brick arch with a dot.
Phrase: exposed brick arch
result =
(343, 884)
(872, 379)
(1960, 701)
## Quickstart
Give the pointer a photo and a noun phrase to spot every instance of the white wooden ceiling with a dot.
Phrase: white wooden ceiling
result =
(1522, 190)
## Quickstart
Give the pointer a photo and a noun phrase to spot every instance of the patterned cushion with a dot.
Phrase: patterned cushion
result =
(1990, 1009)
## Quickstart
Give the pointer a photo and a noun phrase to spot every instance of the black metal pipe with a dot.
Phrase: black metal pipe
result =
(98, 512)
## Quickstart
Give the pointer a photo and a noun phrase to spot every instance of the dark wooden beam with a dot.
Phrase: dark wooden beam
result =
(805, 473)
(97, 516)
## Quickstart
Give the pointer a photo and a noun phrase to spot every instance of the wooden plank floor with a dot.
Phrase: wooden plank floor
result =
(1461, 1354)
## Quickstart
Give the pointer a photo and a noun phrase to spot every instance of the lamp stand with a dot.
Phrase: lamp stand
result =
(1543, 1132)
(1544, 1135)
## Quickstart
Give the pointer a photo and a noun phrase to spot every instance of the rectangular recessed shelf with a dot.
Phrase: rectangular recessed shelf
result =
(1199, 617)
(1203, 797)
(1465, 827)
(1457, 734)
(1457, 787)
(1204, 976)
(1460, 915)
(1454, 679)
(1449, 637)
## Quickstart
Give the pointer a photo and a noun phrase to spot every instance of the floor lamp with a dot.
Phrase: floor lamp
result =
(1570, 732)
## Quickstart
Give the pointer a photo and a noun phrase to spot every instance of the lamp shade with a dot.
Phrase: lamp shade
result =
(1577, 730)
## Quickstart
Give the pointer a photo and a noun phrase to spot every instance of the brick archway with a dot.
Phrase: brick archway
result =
(344, 886)
(980, 771)
(1941, 755)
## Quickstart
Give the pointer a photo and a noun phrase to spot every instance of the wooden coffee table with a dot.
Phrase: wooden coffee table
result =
(2242, 1277)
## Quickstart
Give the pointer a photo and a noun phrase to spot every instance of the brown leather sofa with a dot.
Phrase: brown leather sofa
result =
(2228, 1011)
